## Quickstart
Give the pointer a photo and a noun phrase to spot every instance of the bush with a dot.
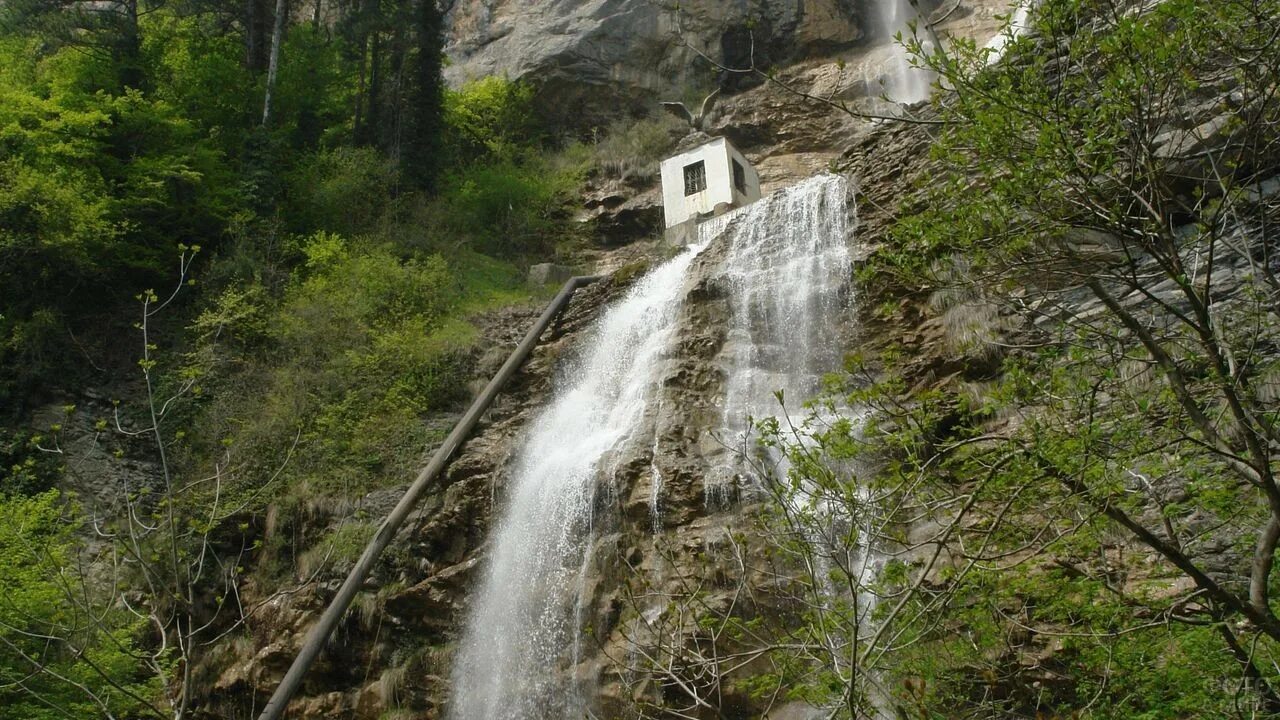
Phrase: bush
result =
(24, 469)
(364, 344)
(491, 118)
(344, 190)
(506, 209)
(49, 649)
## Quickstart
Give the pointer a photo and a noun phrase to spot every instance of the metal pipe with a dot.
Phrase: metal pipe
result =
(324, 627)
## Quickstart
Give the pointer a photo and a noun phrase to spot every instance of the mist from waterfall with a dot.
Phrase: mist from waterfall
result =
(784, 266)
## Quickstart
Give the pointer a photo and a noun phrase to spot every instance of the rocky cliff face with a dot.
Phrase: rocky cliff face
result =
(602, 58)
(596, 59)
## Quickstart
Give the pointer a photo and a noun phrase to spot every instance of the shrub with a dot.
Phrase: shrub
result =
(491, 118)
(344, 190)
(49, 649)
(507, 209)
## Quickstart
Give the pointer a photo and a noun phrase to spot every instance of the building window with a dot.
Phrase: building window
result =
(739, 177)
(695, 178)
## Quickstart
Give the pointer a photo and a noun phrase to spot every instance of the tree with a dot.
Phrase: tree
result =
(424, 125)
(110, 31)
(273, 62)
(1123, 231)
(56, 660)
(122, 623)
(1099, 494)
(790, 606)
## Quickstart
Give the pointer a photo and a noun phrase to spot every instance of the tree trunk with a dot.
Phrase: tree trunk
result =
(424, 99)
(255, 35)
(128, 48)
(358, 130)
(391, 139)
(373, 107)
(273, 65)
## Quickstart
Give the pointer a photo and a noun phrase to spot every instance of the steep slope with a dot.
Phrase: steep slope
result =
(399, 650)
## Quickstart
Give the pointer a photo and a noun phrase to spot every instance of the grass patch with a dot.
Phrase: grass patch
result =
(632, 149)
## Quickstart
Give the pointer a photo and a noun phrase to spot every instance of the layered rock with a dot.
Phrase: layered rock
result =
(600, 58)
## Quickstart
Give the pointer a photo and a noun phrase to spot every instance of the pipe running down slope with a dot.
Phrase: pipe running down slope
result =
(324, 627)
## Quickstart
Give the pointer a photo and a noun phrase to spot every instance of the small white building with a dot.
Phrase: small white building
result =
(707, 180)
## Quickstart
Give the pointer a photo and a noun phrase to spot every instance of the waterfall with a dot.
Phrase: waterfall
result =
(905, 83)
(1019, 24)
(523, 627)
(784, 264)
(786, 271)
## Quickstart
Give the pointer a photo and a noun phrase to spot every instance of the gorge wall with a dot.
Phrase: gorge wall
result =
(671, 495)
(602, 58)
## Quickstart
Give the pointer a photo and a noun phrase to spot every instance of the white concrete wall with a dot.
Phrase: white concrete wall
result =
(678, 207)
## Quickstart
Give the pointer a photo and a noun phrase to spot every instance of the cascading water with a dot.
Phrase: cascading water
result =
(905, 83)
(1019, 24)
(784, 265)
(786, 271)
(523, 627)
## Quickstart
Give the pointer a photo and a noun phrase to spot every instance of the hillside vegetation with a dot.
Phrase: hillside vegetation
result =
(279, 297)
(1067, 467)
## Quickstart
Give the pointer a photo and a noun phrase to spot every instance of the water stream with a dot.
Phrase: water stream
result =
(787, 270)
(524, 626)
(785, 264)
(1019, 25)
(905, 83)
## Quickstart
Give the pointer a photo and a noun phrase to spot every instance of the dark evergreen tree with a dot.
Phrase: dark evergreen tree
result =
(107, 30)
(422, 121)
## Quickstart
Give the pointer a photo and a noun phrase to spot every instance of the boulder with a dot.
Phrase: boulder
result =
(548, 273)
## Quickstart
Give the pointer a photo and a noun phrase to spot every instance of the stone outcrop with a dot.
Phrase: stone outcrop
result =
(595, 58)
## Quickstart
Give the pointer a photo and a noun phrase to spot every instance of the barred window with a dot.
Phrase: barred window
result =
(739, 177)
(695, 178)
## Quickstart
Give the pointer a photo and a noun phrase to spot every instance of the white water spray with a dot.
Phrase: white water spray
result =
(1019, 23)
(787, 272)
(904, 83)
(785, 266)
(524, 626)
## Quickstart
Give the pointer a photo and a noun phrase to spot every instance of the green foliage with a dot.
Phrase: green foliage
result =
(314, 96)
(90, 669)
(504, 194)
(346, 266)
(345, 190)
(363, 345)
(27, 470)
(95, 190)
(421, 154)
(491, 118)
(1096, 480)
(199, 71)
(341, 548)
(506, 209)
(1079, 515)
